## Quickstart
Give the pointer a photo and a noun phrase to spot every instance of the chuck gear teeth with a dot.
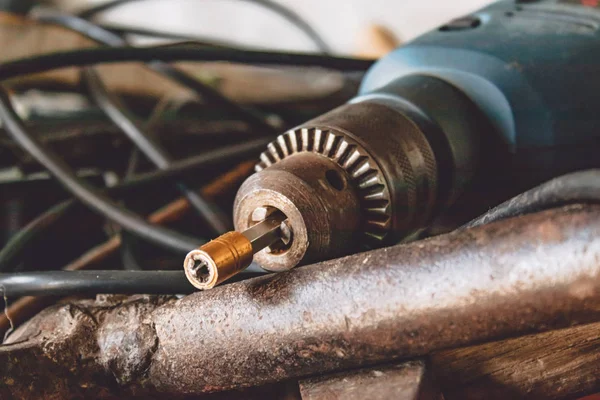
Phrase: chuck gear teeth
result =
(363, 173)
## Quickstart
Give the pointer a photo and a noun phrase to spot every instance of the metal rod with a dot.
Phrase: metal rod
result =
(512, 277)
(266, 232)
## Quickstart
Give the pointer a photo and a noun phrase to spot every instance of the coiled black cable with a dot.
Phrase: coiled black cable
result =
(85, 193)
(118, 113)
(13, 249)
(103, 36)
(103, 55)
(94, 198)
(121, 117)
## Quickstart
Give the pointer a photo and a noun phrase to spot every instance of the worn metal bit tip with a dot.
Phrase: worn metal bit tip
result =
(218, 260)
(200, 269)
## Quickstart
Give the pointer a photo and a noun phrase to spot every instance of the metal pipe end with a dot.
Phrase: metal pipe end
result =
(218, 260)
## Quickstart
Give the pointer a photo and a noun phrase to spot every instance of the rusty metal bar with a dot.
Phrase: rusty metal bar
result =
(522, 275)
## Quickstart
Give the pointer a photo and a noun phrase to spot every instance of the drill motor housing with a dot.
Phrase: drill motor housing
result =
(531, 67)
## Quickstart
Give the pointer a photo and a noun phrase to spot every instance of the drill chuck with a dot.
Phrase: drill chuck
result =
(365, 174)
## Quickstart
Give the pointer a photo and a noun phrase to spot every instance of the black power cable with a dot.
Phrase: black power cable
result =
(13, 249)
(64, 283)
(120, 116)
(84, 192)
(85, 57)
(577, 187)
(103, 36)
(277, 8)
(197, 163)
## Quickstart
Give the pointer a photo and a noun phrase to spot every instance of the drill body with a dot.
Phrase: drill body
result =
(531, 67)
(490, 103)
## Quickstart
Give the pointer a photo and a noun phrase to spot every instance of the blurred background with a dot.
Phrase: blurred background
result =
(346, 25)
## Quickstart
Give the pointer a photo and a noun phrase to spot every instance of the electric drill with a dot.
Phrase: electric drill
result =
(517, 81)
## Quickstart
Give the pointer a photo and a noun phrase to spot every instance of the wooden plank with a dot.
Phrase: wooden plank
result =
(409, 380)
(562, 364)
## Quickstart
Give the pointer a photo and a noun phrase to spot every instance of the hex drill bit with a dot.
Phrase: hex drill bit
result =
(231, 253)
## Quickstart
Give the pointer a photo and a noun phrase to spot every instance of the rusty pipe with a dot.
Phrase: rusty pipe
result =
(516, 276)
(512, 277)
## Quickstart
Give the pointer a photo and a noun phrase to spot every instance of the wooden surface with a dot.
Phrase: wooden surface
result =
(563, 364)
(410, 380)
